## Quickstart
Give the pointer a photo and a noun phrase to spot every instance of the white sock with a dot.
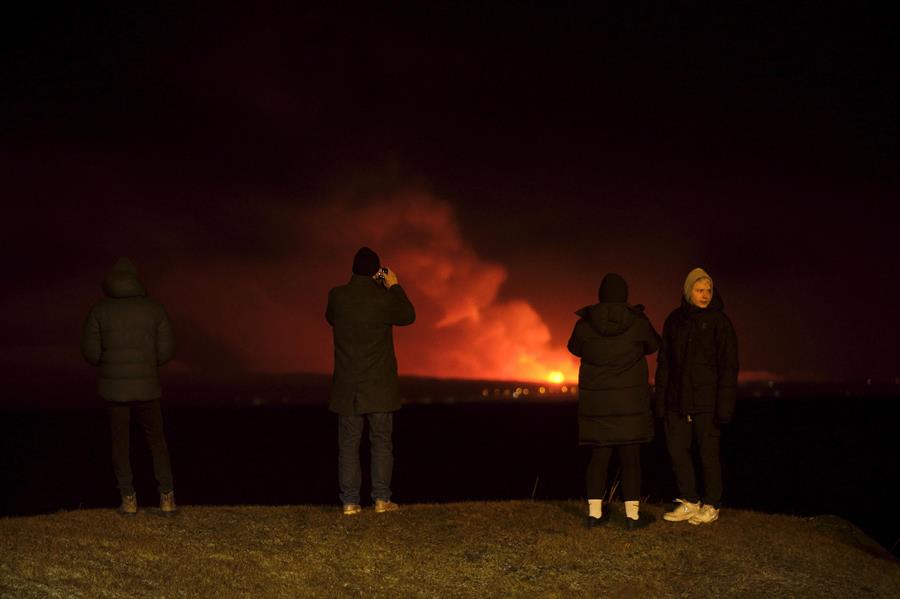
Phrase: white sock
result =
(595, 507)
(631, 509)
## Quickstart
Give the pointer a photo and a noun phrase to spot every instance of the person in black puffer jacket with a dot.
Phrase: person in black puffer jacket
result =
(612, 339)
(696, 389)
(128, 335)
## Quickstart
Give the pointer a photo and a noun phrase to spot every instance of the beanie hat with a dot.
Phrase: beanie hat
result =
(613, 289)
(692, 277)
(365, 262)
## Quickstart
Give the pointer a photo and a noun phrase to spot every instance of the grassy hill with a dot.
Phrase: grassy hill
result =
(512, 548)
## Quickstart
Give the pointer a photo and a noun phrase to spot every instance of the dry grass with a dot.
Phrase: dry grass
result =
(514, 548)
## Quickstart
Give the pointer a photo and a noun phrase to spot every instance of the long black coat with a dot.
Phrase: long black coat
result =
(362, 314)
(697, 366)
(612, 340)
(127, 335)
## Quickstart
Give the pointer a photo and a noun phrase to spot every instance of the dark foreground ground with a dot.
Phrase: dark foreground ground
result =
(800, 457)
(469, 549)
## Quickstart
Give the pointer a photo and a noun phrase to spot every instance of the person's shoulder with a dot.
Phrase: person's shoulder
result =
(723, 320)
(674, 316)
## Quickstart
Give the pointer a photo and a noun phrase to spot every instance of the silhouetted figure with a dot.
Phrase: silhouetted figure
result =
(362, 314)
(696, 390)
(612, 339)
(128, 335)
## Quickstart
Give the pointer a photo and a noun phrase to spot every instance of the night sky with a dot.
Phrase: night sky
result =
(500, 157)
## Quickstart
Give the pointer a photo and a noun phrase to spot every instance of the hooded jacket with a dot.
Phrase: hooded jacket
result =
(612, 340)
(697, 366)
(362, 314)
(127, 335)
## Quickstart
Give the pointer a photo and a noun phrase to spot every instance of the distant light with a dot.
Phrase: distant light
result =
(526, 391)
(542, 390)
(556, 377)
(564, 389)
(485, 392)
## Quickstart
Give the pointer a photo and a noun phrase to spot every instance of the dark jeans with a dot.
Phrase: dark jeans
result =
(598, 467)
(680, 433)
(149, 416)
(350, 430)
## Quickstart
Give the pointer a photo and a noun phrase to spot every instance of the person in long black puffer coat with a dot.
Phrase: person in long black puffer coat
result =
(696, 390)
(613, 338)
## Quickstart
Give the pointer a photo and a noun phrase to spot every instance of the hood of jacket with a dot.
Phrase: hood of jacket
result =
(122, 281)
(610, 318)
(717, 304)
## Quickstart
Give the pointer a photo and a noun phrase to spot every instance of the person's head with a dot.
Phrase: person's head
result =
(698, 288)
(366, 262)
(613, 288)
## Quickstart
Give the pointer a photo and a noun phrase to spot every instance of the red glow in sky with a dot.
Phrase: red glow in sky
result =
(274, 312)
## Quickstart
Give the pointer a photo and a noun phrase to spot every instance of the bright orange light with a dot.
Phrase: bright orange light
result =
(556, 377)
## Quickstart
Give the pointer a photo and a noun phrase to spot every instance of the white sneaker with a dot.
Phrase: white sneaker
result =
(685, 511)
(706, 515)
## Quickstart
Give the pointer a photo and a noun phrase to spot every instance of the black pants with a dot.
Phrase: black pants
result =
(350, 430)
(149, 416)
(681, 431)
(598, 467)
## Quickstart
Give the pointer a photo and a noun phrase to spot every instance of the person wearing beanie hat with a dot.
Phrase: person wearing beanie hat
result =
(364, 387)
(696, 391)
(613, 338)
(128, 336)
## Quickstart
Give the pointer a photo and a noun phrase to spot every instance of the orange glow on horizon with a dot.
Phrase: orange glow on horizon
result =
(556, 377)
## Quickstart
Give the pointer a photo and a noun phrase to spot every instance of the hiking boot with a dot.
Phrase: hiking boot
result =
(643, 520)
(685, 511)
(129, 505)
(707, 515)
(591, 522)
(167, 503)
(351, 509)
(385, 505)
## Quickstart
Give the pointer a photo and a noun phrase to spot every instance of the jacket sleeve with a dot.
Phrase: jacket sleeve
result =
(576, 343)
(401, 311)
(165, 339)
(329, 311)
(661, 380)
(91, 345)
(651, 343)
(727, 365)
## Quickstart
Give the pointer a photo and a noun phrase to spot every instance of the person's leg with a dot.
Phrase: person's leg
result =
(708, 435)
(381, 428)
(630, 459)
(678, 441)
(119, 427)
(349, 473)
(149, 416)
(597, 471)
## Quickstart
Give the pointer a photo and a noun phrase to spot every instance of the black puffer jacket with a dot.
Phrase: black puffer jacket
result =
(127, 335)
(612, 340)
(697, 366)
